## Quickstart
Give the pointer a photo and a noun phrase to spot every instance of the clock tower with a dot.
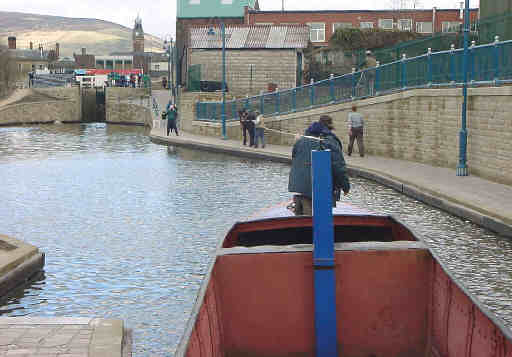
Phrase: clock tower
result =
(138, 36)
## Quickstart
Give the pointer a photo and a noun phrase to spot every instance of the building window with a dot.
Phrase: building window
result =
(317, 32)
(226, 2)
(194, 2)
(424, 27)
(405, 24)
(386, 24)
(341, 25)
(450, 26)
(366, 25)
(157, 67)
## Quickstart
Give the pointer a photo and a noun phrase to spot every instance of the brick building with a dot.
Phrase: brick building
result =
(257, 57)
(193, 13)
(323, 23)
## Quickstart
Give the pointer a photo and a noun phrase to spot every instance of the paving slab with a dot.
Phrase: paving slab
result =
(61, 337)
(481, 201)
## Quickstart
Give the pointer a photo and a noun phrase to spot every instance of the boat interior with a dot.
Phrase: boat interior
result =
(393, 298)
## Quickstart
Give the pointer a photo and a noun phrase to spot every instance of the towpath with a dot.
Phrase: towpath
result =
(483, 202)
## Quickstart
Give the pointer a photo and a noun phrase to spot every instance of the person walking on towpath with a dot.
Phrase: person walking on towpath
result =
(355, 131)
(259, 130)
(172, 117)
(318, 136)
(242, 115)
(249, 123)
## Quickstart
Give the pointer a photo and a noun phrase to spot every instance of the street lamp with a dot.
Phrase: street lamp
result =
(462, 168)
(169, 50)
(211, 32)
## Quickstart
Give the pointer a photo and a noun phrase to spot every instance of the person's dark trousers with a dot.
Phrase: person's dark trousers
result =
(357, 133)
(244, 133)
(171, 125)
(250, 128)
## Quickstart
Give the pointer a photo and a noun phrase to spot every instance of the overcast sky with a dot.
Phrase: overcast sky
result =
(158, 16)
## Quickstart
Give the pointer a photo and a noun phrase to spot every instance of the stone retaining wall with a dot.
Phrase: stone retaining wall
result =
(128, 106)
(418, 125)
(59, 104)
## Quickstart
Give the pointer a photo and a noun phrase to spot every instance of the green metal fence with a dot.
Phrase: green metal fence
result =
(489, 64)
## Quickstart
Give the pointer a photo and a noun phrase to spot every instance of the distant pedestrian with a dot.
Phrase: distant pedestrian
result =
(249, 123)
(355, 131)
(164, 82)
(30, 79)
(242, 116)
(259, 130)
(172, 117)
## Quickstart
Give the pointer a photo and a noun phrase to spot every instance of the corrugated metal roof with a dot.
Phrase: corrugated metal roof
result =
(255, 36)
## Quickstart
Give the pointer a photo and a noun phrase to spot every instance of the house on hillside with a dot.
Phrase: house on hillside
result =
(192, 13)
(258, 58)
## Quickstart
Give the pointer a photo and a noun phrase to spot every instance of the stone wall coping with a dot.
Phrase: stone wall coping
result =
(8, 106)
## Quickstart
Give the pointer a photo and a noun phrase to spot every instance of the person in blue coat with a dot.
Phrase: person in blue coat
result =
(318, 136)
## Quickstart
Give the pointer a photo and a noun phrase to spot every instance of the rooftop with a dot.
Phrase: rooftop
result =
(252, 36)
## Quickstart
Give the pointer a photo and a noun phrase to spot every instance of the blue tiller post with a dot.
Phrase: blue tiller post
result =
(403, 65)
(246, 105)
(462, 168)
(198, 110)
(331, 87)
(323, 256)
(496, 53)
(312, 92)
(430, 74)
(294, 99)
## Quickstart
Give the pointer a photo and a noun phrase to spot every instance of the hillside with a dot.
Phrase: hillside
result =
(97, 36)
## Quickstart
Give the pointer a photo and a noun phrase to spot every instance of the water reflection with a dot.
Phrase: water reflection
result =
(128, 226)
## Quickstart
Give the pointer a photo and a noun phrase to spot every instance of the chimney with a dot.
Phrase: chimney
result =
(57, 50)
(31, 45)
(83, 51)
(12, 42)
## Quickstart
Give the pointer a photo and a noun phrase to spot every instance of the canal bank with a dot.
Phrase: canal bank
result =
(480, 201)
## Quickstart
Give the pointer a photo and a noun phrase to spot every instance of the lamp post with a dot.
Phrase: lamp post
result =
(462, 168)
(169, 50)
(223, 84)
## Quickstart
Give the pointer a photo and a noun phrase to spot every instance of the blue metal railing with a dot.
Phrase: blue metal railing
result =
(489, 64)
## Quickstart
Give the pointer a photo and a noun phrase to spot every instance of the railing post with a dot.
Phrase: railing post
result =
(354, 82)
(331, 88)
(278, 100)
(294, 99)
(404, 71)
(234, 109)
(430, 74)
(312, 92)
(453, 79)
(377, 78)
(472, 62)
(262, 102)
(496, 52)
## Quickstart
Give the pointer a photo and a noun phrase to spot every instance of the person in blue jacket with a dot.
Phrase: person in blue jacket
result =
(318, 136)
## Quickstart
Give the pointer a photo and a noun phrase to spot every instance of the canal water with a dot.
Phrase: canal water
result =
(128, 226)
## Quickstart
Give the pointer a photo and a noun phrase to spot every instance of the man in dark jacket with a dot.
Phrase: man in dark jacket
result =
(172, 117)
(318, 136)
